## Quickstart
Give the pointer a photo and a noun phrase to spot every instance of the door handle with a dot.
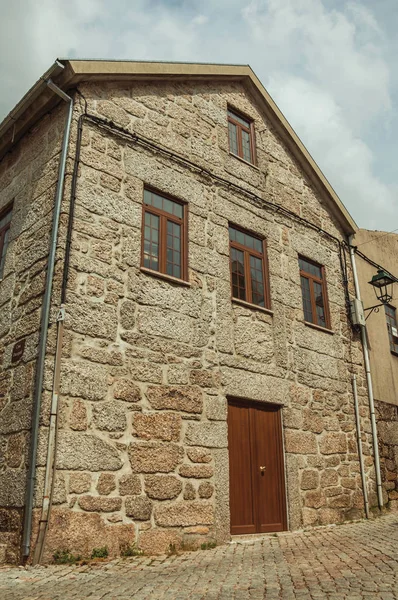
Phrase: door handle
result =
(262, 469)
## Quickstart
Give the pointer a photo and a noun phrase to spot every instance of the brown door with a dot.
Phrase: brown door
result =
(256, 473)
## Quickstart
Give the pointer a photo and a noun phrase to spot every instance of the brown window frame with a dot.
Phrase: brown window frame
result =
(165, 216)
(239, 128)
(392, 322)
(247, 252)
(3, 232)
(322, 282)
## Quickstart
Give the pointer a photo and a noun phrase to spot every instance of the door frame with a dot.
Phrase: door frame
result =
(258, 404)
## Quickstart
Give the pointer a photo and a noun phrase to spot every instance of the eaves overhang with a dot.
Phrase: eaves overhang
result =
(67, 74)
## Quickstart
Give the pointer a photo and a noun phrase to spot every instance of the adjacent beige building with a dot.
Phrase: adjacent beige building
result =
(201, 306)
(382, 248)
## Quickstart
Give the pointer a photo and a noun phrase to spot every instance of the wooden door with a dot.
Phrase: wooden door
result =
(256, 473)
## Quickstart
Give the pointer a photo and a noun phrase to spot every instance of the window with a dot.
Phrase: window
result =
(248, 256)
(241, 136)
(163, 240)
(313, 289)
(5, 222)
(392, 327)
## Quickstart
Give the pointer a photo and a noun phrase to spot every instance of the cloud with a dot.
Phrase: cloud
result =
(326, 62)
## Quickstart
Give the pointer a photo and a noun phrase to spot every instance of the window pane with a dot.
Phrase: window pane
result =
(319, 305)
(247, 154)
(151, 241)
(173, 255)
(310, 268)
(239, 119)
(158, 201)
(4, 245)
(392, 327)
(233, 138)
(238, 274)
(257, 280)
(5, 219)
(254, 243)
(305, 291)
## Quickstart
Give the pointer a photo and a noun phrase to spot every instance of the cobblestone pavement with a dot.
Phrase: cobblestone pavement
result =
(358, 560)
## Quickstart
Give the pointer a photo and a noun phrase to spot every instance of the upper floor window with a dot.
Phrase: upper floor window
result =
(392, 327)
(313, 289)
(248, 267)
(241, 136)
(164, 247)
(5, 222)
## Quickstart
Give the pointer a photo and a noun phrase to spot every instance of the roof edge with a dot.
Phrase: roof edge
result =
(69, 72)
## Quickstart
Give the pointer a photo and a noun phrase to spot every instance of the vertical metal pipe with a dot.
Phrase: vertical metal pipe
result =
(44, 323)
(359, 439)
(369, 383)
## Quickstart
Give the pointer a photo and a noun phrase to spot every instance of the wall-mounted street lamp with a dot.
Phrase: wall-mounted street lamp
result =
(382, 284)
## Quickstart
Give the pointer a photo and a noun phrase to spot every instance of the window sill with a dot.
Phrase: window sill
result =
(268, 311)
(394, 353)
(246, 162)
(314, 326)
(165, 277)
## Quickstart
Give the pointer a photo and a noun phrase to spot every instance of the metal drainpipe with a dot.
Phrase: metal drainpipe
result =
(45, 318)
(359, 439)
(369, 382)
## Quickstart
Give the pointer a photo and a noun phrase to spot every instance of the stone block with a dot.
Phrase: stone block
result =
(162, 487)
(310, 517)
(78, 416)
(102, 322)
(186, 399)
(154, 457)
(83, 379)
(341, 501)
(106, 484)
(216, 408)
(196, 471)
(129, 485)
(15, 450)
(309, 480)
(300, 442)
(329, 477)
(138, 508)
(314, 499)
(81, 451)
(164, 427)
(189, 491)
(126, 390)
(205, 489)
(158, 541)
(328, 516)
(199, 455)
(100, 503)
(110, 416)
(184, 514)
(79, 482)
(209, 435)
(333, 443)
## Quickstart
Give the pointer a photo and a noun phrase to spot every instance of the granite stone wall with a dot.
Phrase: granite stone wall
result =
(149, 364)
(387, 428)
(28, 176)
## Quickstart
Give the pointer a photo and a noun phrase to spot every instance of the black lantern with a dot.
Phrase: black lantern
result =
(381, 283)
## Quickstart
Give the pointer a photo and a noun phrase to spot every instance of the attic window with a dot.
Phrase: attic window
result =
(241, 136)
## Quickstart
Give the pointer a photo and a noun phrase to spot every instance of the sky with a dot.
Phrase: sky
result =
(330, 65)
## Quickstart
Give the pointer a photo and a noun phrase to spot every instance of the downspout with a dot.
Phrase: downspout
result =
(44, 324)
(359, 440)
(368, 381)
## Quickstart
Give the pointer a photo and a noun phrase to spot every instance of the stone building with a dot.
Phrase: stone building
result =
(198, 356)
(381, 249)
